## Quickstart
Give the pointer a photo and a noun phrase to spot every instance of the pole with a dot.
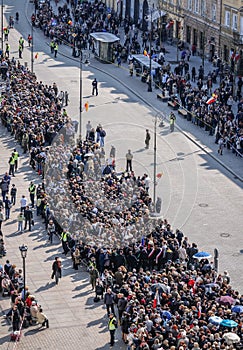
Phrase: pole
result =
(32, 48)
(24, 280)
(155, 156)
(150, 56)
(2, 26)
(80, 92)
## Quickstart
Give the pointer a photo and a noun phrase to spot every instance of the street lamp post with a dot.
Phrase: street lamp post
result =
(150, 54)
(86, 62)
(32, 48)
(80, 93)
(2, 26)
(23, 250)
(155, 159)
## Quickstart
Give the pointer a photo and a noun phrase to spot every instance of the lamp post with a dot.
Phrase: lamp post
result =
(23, 250)
(155, 159)
(2, 26)
(86, 62)
(32, 47)
(150, 54)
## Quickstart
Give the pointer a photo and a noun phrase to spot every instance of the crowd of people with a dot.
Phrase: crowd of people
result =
(25, 310)
(190, 89)
(163, 297)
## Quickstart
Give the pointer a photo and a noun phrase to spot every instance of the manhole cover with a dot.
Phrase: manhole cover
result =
(224, 235)
(203, 205)
(73, 81)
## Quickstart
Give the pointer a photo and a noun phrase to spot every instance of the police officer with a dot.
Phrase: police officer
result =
(112, 325)
(55, 49)
(32, 189)
(16, 156)
(13, 194)
(11, 164)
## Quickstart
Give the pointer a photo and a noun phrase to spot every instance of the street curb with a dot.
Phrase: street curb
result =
(203, 148)
(209, 153)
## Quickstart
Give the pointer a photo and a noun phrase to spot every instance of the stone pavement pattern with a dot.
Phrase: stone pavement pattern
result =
(190, 178)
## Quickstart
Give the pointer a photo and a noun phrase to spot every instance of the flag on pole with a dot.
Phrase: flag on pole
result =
(211, 100)
(199, 312)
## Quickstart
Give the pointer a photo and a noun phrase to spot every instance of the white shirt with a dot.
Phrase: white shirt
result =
(23, 202)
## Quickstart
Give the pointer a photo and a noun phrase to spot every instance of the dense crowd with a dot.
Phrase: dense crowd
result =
(191, 90)
(164, 297)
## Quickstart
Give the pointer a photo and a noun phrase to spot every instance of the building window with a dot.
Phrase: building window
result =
(234, 22)
(203, 8)
(196, 6)
(201, 43)
(214, 9)
(195, 39)
(189, 5)
(227, 19)
(188, 34)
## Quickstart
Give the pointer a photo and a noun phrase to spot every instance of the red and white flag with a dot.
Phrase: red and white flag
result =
(156, 301)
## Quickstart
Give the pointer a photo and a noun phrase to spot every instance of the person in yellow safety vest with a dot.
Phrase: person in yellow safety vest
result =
(52, 44)
(64, 239)
(6, 32)
(172, 121)
(21, 42)
(16, 156)
(55, 50)
(7, 50)
(112, 325)
(20, 50)
(32, 189)
(11, 164)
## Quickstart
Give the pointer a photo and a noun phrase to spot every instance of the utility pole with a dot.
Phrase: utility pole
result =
(155, 159)
(32, 48)
(150, 55)
(2, 26)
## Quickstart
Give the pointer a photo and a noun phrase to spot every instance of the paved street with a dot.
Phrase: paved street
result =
(199, 196)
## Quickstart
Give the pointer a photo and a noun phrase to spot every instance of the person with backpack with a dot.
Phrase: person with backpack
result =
(93, 275)
(109, 302)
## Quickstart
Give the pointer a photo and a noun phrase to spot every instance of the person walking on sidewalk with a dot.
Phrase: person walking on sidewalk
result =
(95, 87)
(20, 220)
(147, 139)
(1, 219)
(11, 164)
(23, 204)
(112, 326)
(51, 230)
(32, 190)
(172, 121)
(20, 50)
(7, 205)
(55, 49)
(7, 50)
(129, 158)
(16, 157)
(28, 215)
(13, 193)
(56, 269)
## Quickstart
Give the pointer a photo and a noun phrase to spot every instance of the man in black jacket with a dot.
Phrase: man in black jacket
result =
(28, 215)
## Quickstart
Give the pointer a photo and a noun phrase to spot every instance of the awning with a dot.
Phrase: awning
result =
(105, 37)
(145, 61)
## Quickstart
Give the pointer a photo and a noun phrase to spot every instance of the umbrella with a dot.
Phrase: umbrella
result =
(229, 323)
(166, 314)
(162, 288)
(202, 255)
(237, 308)
(231, 338)
(89, 154)
(216, 320)
(226, 299)
(211, 285)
